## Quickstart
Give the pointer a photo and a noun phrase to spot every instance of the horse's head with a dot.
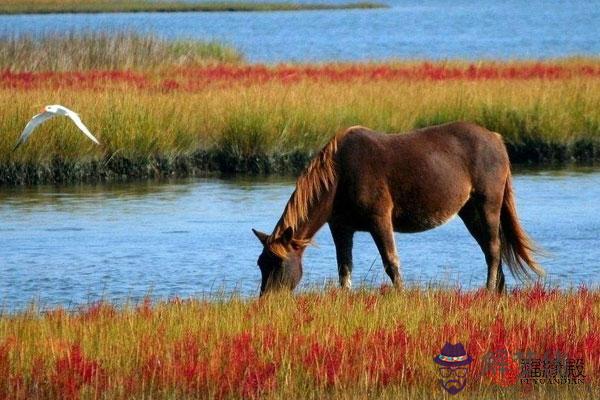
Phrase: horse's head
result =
(280, 262)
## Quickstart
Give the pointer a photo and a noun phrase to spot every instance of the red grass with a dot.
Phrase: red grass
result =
(233, 367)
(6, 377)
(196, 79)
(97, 310)
(536, 296)
(306, 348)
(342, 360)
(73, 371)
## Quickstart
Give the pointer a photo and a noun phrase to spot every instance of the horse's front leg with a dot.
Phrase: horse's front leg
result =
(342, 238)
(382, 231)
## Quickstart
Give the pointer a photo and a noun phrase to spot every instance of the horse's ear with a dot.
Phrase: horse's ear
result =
(287, 236)
(261, 236)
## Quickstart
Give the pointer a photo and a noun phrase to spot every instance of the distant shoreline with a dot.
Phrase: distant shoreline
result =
(95, 7)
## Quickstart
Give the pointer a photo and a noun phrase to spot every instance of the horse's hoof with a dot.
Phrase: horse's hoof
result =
(346, 283)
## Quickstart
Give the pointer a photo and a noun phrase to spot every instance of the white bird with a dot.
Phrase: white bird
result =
(51, 112)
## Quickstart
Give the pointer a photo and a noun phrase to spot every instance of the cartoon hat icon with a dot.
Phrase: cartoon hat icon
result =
(453, 355)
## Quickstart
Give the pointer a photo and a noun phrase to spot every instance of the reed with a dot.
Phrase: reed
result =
(105, 6)
(323, 343)
(83, 51)
(164, 124)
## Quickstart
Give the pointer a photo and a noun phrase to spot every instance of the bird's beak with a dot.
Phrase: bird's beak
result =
(16, 145)
(43, 109)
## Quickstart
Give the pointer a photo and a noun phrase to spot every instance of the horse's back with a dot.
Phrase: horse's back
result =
(465, 146)
(425, 175)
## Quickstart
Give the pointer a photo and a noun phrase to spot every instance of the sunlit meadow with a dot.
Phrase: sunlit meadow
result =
(326, 343)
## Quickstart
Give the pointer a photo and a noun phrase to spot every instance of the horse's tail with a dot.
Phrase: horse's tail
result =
(517, 247)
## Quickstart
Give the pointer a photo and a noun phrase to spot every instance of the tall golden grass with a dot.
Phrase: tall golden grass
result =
(265, 118)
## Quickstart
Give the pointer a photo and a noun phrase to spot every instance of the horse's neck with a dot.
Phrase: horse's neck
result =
(317, 215)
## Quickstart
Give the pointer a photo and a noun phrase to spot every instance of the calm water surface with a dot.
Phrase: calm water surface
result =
(70, 245)
(435, 29)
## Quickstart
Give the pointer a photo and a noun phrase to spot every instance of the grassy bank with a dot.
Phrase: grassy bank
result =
(102, 51)
(240, 120)
(106, 6)
(186, 108)
(325, 344)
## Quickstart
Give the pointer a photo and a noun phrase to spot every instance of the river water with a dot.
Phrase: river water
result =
(432, 29)
(76, 244)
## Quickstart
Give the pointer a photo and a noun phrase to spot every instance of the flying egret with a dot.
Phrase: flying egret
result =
(51, 112)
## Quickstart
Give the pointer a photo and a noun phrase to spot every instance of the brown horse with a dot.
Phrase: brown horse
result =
(380, 183)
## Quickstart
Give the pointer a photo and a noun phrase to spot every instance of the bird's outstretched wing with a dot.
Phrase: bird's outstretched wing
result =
(31, 125)
(80, 125)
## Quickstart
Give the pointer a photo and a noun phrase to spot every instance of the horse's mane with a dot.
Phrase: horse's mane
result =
(318, 177)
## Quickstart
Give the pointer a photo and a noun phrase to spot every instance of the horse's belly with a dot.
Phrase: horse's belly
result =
(411, 223)
(427, 212)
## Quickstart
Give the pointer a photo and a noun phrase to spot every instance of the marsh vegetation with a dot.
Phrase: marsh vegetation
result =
(113, 6)
(287, 346)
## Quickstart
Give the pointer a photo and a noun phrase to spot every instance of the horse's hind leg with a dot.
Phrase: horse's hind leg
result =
(342, 238)
(383, 235)
(482, 218)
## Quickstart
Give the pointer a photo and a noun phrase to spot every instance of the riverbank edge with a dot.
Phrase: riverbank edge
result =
(165, 7)
(203, 162)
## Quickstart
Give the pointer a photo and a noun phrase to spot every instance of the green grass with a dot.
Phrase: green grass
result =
(273, 127)
(98, 6)
(81, 51)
